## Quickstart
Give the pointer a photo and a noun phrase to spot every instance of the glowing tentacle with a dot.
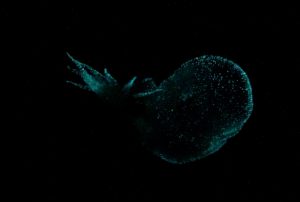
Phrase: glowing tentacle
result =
(127, 87)
(94, 80)
(147, 93)
(79, 85)
(109, 78)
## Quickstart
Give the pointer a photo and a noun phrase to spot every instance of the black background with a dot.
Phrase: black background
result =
(66, 146)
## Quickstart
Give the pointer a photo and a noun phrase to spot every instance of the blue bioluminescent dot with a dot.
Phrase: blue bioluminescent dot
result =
(188, 116)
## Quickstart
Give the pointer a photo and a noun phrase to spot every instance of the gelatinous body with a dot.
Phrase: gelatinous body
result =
(189, 115)
(205, 102)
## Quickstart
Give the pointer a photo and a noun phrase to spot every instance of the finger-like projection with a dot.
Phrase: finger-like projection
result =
(188, 116)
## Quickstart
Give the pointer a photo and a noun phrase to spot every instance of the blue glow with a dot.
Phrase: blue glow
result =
(191, 114)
